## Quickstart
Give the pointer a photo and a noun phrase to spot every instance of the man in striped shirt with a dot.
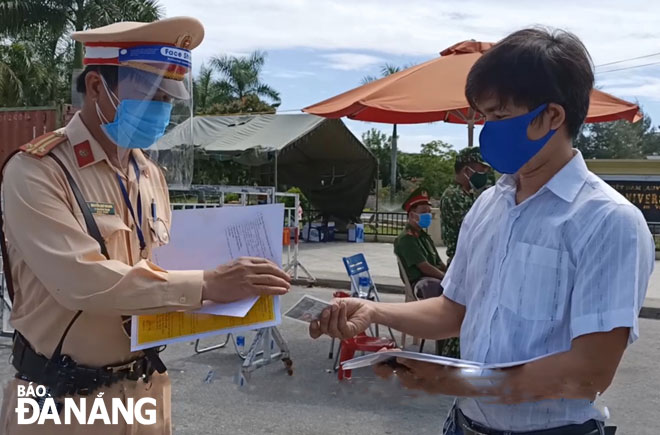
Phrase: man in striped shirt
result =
(551, 262)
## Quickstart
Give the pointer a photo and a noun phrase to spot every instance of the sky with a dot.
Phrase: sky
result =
(317, 49)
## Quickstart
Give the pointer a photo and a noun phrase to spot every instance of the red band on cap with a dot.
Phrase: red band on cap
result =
(125, 44)
(114, 61)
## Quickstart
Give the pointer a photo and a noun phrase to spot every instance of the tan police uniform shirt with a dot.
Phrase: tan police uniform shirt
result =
(57, 268)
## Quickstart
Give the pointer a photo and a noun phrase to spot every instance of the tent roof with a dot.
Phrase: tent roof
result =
(243, 132)
(321, 156)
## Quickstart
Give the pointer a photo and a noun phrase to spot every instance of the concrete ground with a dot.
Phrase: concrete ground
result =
(312, 401)
(324, 262)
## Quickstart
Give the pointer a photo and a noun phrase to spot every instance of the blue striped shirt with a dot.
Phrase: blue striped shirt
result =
(575, 258)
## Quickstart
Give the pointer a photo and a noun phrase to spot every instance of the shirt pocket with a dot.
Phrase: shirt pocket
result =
(536, 282)
(160, 232)
(111, 227)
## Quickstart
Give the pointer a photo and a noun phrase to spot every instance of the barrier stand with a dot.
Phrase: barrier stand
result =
(260, 352)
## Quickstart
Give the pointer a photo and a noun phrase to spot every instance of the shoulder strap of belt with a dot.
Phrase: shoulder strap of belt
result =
(93, 230)
(90, 223)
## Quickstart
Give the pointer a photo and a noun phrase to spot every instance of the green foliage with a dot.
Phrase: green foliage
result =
(211, 170)
(37, 48)
(304, 202)
(432, 168)
(381, 146)
(247, 104)
(239, 88)
(619, 140)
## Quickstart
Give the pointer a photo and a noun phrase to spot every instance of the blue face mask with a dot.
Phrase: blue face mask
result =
(505, 145)
(139, 123)
(424, 220)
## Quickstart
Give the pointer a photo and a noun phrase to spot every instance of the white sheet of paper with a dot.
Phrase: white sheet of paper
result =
(375, 358)
(205, 238)
(234, 309)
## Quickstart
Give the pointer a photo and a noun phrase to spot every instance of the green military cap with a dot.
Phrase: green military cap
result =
(418, 196)
(470, 155)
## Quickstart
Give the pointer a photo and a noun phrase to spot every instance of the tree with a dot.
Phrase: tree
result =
(386, 70)
(241, 77)
(619, 140)
(248, 104)
(61, 17)
(45, 26)
(380, 145)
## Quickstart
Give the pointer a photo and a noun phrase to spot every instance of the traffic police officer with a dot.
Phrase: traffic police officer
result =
(83, 209)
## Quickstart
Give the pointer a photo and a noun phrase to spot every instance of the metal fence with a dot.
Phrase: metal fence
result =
(384, 223)
(654, 227)
(377, 223)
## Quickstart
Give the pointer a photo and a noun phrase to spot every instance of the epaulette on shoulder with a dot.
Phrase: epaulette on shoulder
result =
(42, 145)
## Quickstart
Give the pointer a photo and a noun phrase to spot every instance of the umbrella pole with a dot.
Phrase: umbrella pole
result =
(393, 166)
(470, 133)
(377, 194)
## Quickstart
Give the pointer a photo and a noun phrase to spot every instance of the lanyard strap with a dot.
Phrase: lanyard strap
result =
(127, 200)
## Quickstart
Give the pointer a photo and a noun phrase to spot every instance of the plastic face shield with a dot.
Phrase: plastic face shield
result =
(154, 94)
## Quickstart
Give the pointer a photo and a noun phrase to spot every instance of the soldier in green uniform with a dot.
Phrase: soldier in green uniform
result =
(416, 250)
(421, 261)
(472, 176)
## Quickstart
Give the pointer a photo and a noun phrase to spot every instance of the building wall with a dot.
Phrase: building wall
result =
(20, 125)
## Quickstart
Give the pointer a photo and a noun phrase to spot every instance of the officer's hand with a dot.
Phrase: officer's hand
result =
(243, 278)
(345, 318)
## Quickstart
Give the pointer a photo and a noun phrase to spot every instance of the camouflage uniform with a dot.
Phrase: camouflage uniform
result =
(456, 202)
(454, 205)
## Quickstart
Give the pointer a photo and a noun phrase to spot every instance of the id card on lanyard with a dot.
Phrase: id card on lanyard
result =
(127, 200)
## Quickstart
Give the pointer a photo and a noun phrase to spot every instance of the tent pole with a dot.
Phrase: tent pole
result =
(276, 153)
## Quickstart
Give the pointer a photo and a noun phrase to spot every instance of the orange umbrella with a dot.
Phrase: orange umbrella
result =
(435, 91)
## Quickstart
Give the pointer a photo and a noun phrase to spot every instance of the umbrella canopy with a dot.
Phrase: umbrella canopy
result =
(435, 91)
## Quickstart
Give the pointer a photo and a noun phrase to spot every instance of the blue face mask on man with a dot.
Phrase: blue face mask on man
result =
(424, 220)
(505, 145)
(137, 123)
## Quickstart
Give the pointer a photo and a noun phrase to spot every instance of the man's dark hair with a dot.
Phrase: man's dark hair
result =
(109, 73)
(535, 66)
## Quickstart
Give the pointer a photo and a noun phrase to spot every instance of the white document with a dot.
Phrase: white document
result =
(307, 309)
(375, 358)
(233, 309)
(206, 238)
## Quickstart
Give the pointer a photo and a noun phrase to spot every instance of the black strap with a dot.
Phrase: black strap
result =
(92, 228)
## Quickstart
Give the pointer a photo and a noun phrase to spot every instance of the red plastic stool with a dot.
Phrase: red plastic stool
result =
(362, 343)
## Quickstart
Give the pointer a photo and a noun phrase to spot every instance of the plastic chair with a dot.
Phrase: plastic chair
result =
(356, 266)
(362, 343)
(409, 293)
(412, 297)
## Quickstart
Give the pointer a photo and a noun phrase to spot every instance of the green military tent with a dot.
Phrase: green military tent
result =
(321, 156)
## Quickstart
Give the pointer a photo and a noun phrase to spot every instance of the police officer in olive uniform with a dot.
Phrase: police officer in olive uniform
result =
(472, 176)
(420, 259)
(416, 250)
(84, 208)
